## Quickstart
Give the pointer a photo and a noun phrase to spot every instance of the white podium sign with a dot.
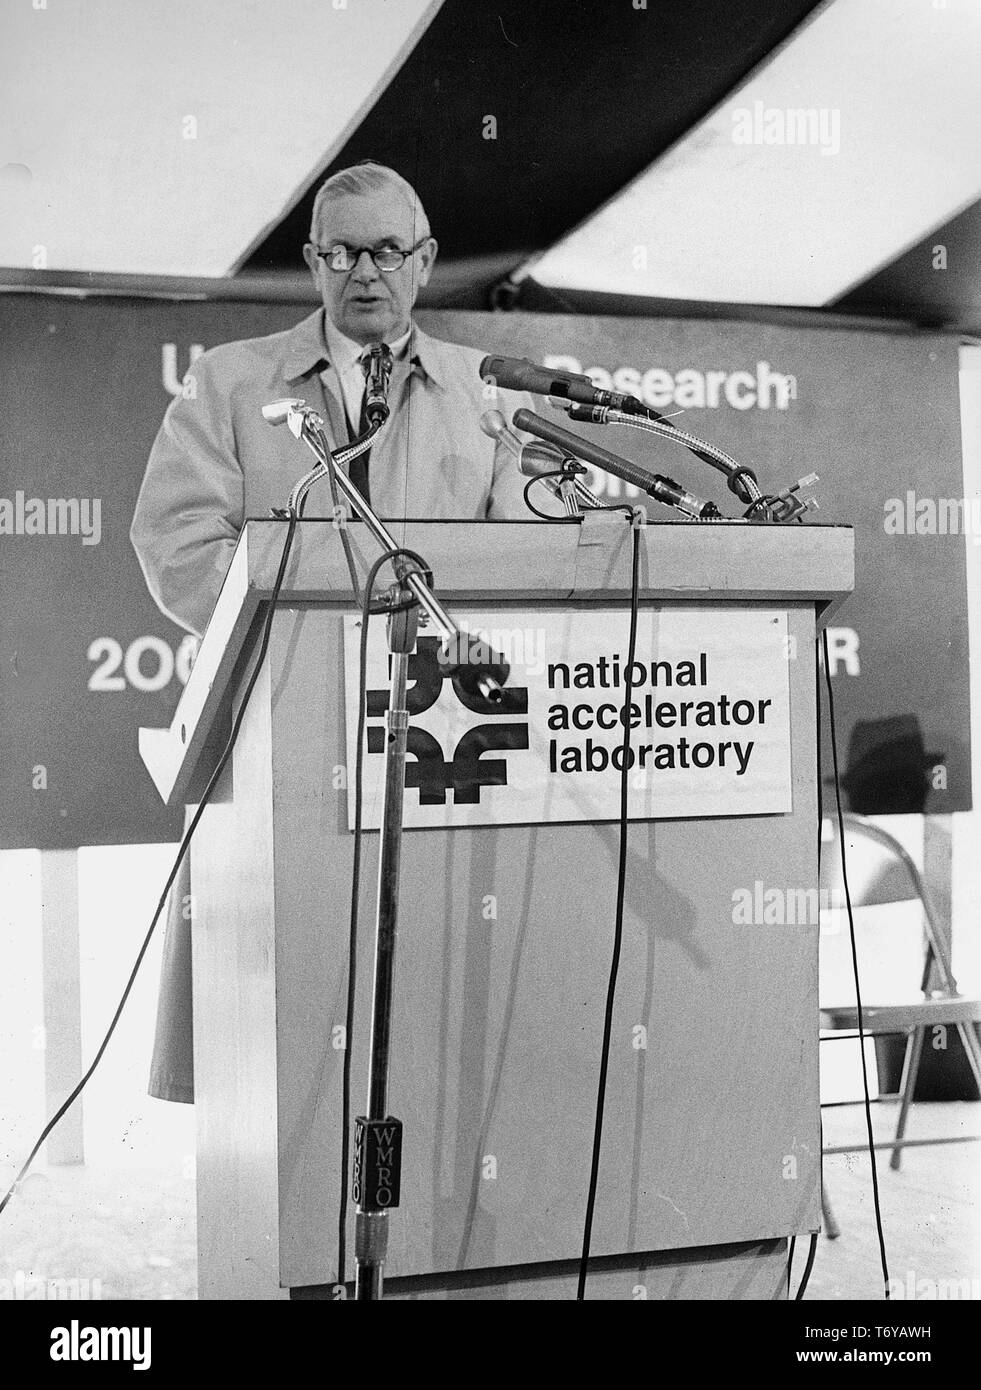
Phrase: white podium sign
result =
(708, 716)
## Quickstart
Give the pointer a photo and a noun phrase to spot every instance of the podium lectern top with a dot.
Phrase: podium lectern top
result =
(502, 562)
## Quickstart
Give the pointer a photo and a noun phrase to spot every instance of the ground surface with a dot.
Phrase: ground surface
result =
(130, 1232)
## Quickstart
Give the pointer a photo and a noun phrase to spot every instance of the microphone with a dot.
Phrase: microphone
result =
(519, 374)
(291, 412)
(377, 367)
(277, 412)
(589, 414)
(541, 461)
(532, 459)
(661, 489)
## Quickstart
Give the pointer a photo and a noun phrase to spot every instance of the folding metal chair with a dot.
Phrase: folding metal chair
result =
(939, 1005)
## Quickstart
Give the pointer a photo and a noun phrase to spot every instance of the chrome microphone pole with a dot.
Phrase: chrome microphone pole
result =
(463, 655)
(377, 1164)
(377, 1175)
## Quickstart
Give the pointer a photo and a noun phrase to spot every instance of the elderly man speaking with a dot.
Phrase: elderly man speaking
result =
(216, 462)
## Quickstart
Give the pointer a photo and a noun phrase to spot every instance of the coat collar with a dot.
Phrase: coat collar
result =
(306, 349)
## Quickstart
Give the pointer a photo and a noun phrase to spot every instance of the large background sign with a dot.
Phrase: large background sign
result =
(85, 657)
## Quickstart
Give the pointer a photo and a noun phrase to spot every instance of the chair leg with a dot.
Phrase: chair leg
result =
(911, 1069)
(831, 1228)
(972, 1048)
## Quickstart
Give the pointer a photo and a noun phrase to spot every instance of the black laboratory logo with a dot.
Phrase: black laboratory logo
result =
(427, 770)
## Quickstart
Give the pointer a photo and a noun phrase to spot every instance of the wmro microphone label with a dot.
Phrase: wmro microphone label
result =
(762, 388)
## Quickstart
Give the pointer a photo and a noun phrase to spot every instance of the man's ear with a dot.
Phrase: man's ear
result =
(310, 256)
(427, 259)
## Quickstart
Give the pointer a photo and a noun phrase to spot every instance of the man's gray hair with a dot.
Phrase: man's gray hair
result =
(367, 177)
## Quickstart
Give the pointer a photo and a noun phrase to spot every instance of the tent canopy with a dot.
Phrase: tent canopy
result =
(629, 156)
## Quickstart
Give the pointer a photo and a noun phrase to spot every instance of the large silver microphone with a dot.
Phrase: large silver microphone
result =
(532, 459)
(537, 460)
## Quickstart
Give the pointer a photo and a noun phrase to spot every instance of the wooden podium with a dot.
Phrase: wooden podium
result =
(711, 1156)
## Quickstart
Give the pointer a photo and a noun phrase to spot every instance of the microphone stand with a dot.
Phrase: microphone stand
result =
(377, 1164)
(569, 488)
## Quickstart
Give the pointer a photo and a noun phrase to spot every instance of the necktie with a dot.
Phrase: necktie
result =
(359, 467)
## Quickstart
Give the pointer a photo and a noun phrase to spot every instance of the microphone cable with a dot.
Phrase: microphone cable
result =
(858, 993)
(808, 1266)
(586, 507)
(182, 850)
(617, 929)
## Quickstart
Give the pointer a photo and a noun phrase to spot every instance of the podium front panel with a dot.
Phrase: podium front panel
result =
(711, 1133)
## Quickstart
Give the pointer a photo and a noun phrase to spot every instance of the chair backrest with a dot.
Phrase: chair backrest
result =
(880, 870)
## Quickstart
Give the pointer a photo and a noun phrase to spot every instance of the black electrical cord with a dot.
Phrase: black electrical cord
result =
(367, 609)
(540, 478)
(542, 516)
(809, 1265)
(617, 929)
(758, 506)
(819, 760)
(185, 842)
(858, 993)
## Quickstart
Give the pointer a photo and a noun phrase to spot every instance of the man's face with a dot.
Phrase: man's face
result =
(367, 304)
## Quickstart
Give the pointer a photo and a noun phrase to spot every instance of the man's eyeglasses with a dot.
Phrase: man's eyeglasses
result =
(387, 258)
